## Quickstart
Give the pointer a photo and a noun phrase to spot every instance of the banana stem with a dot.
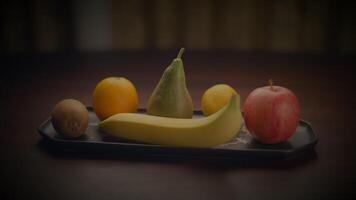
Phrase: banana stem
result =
(181, 51)
(270, 81)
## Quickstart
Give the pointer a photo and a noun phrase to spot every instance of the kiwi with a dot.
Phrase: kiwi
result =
(70, 118)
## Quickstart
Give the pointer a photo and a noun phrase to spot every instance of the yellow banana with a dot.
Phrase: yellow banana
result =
(210, 131)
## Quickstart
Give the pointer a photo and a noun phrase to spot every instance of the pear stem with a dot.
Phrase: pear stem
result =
(270, 81)
(181, 51)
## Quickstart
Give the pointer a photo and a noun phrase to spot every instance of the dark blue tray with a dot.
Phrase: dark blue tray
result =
(241, 147)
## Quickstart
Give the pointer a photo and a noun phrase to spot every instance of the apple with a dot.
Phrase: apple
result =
(271, 113)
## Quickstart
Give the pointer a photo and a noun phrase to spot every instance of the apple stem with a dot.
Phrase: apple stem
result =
(270, 81)
(181, 51)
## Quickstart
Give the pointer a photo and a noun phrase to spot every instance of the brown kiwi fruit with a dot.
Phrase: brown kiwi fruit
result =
(70, 118)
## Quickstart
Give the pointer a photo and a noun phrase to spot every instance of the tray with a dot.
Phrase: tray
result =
(241, 147)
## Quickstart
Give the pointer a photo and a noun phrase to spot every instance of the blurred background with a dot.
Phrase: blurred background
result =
(291, 26)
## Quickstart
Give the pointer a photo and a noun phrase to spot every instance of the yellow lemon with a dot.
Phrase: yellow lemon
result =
(114, 95)
(217, 97)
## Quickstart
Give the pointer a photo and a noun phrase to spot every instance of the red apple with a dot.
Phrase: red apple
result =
(271, 113)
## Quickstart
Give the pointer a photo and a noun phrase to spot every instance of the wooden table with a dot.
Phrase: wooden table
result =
(32, 84)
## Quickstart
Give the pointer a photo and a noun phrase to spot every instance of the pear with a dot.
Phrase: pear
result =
(170, 97)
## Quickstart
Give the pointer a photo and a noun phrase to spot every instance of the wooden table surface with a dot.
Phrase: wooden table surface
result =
(32, 84)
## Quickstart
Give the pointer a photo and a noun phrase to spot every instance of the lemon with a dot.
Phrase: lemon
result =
(114, 95)
(217, 97)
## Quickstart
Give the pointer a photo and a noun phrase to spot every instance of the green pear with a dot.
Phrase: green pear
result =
(171, 98)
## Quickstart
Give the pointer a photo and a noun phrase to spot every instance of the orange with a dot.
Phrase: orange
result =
(217, 97)
(114, 95)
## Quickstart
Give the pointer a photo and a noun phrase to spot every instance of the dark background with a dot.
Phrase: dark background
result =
(51, 50)
(295, 26)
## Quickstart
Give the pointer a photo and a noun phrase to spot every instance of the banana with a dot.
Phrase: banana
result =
(210, 131)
